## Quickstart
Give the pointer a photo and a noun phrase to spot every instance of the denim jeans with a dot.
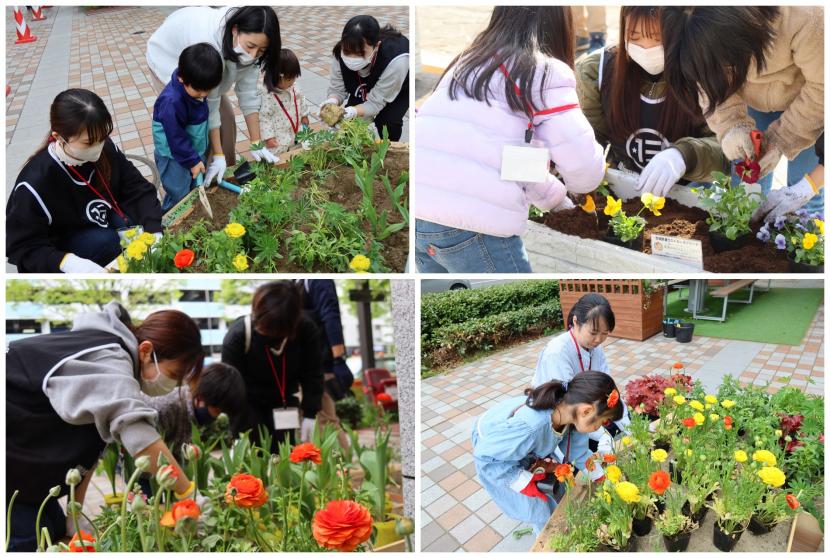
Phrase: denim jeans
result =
(176, 180)
(442, 249)
(804, 163)
(101, 245)
(23, 519)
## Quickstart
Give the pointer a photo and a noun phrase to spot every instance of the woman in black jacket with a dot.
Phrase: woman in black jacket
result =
(75, 193)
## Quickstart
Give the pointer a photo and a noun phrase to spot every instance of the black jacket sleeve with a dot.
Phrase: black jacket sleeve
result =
(136, 196)
(311, 367)
(28, 244)
(233, 347)
(324, 297)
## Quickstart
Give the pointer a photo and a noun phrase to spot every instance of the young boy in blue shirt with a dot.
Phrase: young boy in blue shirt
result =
(180, 120)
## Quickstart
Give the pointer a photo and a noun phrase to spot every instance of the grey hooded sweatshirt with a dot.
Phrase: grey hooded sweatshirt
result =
(101, 387)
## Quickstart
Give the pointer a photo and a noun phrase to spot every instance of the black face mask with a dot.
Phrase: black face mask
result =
(203, 416)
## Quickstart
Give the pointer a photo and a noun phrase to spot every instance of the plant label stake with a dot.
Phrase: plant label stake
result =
(202, 195)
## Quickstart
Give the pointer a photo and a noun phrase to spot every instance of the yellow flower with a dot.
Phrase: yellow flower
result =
(122, 264)
(613, 473)
(147, 238)
(240, 262)
(688, 453)
(809, 241)
(772, 476)
(727, 403)
(612, 206)
(234, 230)
(708, 406)
(696, 405)
(136, 250)
(765, 457)
(589, 206)
(779, 433)
(711, 399)
(628, 492)
(659, 455)
(740, 456)
(607, 496)
(699, 418)
(820, 225)
(627, 441)
(679, 399)
(653, 203)
(670, 392)
(714, 417)
(130, 233)
(360, 264)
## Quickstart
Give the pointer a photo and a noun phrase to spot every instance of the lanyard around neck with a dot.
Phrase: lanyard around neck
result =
(294, 125)
(579, 353)
(280, 385)
(97, 193)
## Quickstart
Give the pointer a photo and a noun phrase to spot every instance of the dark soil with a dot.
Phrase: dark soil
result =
(221, 203)
(675, 220)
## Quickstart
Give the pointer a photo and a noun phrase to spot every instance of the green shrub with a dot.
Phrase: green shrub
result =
(439, 310)
(349, 411)
(454, 341)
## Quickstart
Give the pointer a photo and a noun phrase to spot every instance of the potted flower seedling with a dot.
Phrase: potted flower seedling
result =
(675, 526)
(730, 208)
(775, 507)
(625, 230)
(740, 493)
(802, 236)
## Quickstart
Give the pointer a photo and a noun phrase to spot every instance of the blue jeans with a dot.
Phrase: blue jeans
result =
(803, 164)
(23, 519)
(441, 249)
(101, 245)
(176, 180)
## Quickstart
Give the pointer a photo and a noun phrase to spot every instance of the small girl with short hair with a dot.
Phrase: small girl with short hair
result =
(284, 110)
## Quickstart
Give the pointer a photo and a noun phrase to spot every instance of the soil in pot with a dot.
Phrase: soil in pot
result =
(757, 527)
(721, 243)
(677, 543)
(724, 541)
(642, 527)
(801, 267)
(684, 332)
(676, 220)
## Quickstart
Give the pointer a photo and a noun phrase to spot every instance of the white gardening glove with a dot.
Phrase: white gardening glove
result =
(564, 205)
(266, 155)
(306, 429)
(784, 201)
(605, 444)
(351, 112)
(770, 159)
(662, 172)
(216, 169)
(74, 264)
(736, 143)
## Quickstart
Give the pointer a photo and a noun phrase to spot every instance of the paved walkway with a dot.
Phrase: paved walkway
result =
(104, 50)
(458, 515)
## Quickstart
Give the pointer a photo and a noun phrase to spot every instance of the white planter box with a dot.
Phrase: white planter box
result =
(553, 251)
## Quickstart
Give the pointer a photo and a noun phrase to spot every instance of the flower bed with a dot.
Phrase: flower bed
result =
(713, 467)
(343, 198)
(301, 499)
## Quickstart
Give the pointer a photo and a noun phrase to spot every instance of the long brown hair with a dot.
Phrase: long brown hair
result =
(77, 110)
(623, 89)
(277, 308)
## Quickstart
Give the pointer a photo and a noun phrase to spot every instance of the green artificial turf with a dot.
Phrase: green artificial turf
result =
(779, 316)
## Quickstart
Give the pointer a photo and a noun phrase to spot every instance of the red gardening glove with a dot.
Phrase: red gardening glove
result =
(531, 490)
(599, 480)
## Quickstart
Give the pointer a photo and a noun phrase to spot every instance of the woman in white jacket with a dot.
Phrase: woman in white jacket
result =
(516, 80)
(248, 38)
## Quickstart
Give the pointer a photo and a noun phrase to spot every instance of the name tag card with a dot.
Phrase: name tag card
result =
(525, 163)
(682, 249)
(287, 419)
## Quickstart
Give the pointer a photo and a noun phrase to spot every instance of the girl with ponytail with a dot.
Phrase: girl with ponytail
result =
(511, 436)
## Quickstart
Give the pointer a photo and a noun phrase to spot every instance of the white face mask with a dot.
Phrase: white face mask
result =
(356, 63)
(244, 56)
(652, 60)
(78, 156)
(160, 385)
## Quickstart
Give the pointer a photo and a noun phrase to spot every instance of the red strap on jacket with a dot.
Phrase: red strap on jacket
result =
(529, 109)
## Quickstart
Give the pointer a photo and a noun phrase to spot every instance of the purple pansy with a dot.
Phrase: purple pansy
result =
(763, 233)
(780, 242)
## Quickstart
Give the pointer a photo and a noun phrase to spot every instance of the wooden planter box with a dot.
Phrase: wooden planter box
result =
(638, 315)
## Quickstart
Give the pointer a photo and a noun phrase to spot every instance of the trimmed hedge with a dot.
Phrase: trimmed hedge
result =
(451, 342)
(439, 310)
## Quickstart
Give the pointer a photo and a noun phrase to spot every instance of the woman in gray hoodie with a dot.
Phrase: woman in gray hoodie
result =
(69, 394)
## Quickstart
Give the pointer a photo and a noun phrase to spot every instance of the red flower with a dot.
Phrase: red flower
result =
(613, 398)
(88, 544)
(659, 482)
(184, 258)
(792, 501)
(246, 491)
(184, 509)
(342, 525)
(677, 365)
(383, 397)
(563, 472)
(821, 437)
(589, 464)
(306, 452)
(727, 422)
(609, 458)
(689, 422)
(748, 171)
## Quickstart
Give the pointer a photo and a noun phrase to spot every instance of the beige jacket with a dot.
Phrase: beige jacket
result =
(792, 81)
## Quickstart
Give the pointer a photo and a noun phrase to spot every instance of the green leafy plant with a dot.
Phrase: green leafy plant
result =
(730, 206)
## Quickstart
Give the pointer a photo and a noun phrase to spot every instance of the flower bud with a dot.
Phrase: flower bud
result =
(779, 433)
(404, 526)
(222, 421)
(54, 548)
(190, 451)
(788, 439)
(143, 463)
(73, 477)
(55, 491)
(166, 477)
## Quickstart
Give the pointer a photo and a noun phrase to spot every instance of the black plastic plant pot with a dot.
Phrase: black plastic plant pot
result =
(757, 527)
(724, 541)
(722, 244)
(629, 547)
(660, 504)
(675, 473)
(635, 244)
(801, 267)
(683, 332)
(662, 444)
(698, 516)
(678, 542)
(244, 173)
(641, 527)
(669, 329)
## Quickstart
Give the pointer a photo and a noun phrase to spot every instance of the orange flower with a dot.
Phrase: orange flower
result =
(677, 365)
(609, 458)
(659, 482)
(306, 452)
(589, 464)
(727, 422)
(383, 397)
(563, 472)
(689, 422)
(88, 544)
(186, 508)
(167, 520)
(246, 491)
(184, 258)
(613, 398)
(792, 501)
(589, 206)
(342, 525)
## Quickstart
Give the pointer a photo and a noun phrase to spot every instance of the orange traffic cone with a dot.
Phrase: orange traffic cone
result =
(24, 34)
(37, 13)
